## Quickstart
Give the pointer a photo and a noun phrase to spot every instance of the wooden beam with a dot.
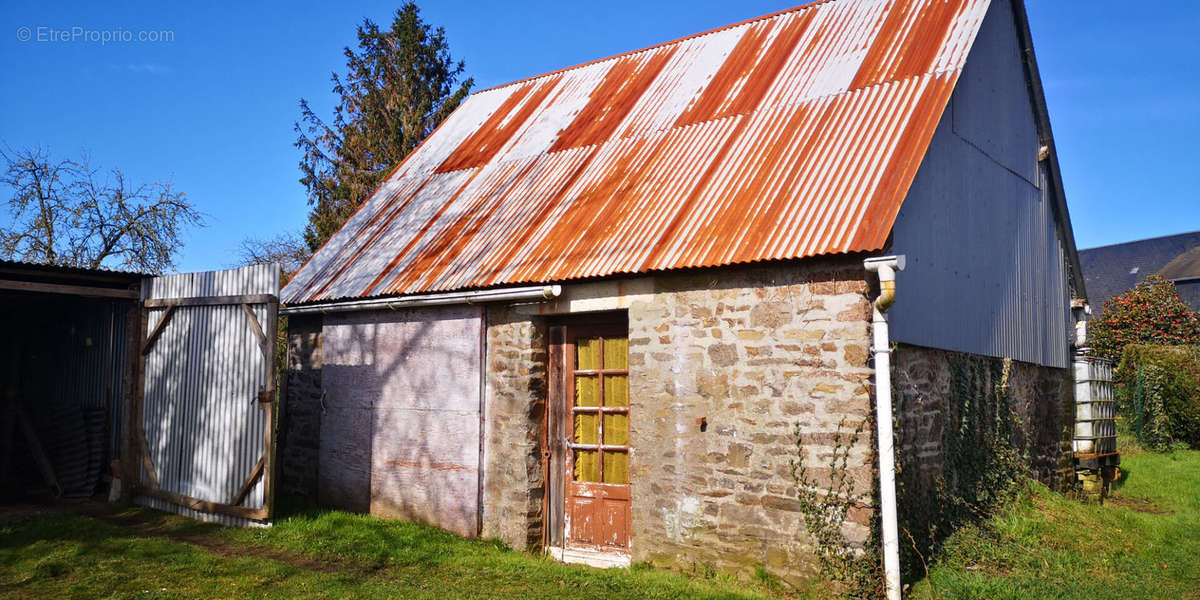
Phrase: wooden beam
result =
(35, 448)
(71, 290)
(211, 300)
(256, 514)
(258, 332)
(255, 473)
(269, 412)
(130, 447)
(158, 329)
(147, 462)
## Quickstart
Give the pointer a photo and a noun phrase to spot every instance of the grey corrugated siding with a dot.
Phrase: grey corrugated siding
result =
(986, 268)
(204, 428)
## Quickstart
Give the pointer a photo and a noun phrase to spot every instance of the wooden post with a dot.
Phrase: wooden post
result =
(132, 449)
(268, 475)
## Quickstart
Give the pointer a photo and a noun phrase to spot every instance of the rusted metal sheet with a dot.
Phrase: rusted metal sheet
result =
(400, 430)
(792, 135)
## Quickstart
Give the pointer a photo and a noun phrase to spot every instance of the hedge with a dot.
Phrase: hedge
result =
(1168, 410)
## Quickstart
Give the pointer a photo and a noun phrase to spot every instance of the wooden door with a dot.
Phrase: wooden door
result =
(596, 514)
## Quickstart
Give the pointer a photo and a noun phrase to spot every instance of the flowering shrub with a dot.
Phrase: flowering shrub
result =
(1151, 313)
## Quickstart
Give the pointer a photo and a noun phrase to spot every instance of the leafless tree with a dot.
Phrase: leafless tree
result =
(67, 213)
(288, 250)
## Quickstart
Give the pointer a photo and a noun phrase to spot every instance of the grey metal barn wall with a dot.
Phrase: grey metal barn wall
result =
(986, 266)
(204, 427)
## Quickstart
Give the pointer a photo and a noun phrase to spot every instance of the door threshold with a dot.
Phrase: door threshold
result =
(599, 559)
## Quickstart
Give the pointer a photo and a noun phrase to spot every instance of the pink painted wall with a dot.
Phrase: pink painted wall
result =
(400, 433)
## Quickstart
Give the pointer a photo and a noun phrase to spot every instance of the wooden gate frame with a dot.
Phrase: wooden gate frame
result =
(135, 434)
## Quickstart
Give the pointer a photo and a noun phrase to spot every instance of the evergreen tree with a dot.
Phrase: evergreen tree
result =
(398, 85)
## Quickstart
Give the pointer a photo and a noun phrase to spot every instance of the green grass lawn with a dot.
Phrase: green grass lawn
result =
(138, 553)
(1143, 543)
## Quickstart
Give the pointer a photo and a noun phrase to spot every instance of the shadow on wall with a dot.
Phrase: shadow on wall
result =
(400, 432)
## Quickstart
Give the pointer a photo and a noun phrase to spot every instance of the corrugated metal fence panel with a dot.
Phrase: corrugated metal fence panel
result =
(792, 135)
(204, 428)
(986, 266)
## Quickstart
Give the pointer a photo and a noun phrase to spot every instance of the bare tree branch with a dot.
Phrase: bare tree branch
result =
(66, 213)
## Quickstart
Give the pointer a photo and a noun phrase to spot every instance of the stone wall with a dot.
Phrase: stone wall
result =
(751, 352)
(299, 433)
(1041, 399)
(513, 480)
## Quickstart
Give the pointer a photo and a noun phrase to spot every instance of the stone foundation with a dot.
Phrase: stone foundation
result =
(1041, 399)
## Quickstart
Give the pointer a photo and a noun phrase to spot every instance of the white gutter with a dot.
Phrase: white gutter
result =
(533, 294)
(886, 267)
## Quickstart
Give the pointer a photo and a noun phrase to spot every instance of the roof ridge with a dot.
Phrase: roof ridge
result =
(685, 38)
(1149, 239)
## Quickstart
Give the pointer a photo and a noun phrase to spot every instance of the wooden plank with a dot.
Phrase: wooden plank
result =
(72, 290)
(147, 462)
(269, 410)
(132, 412)
(212, 300)
(7, 424)
(35, 448)
(158, 329)
(256, 514)
(258, 333)
(248, 485)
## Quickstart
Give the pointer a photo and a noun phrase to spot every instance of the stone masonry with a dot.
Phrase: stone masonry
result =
(724, 365)
(513, 482)
(1041, 399)
(750, 351)
(300, 421)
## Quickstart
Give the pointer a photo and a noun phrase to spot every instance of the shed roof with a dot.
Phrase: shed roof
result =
(792, 135)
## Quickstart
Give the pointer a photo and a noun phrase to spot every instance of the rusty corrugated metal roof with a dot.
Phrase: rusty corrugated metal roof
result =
(792, 135)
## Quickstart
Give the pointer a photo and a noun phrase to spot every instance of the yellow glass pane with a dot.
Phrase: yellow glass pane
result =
(616, 353)
(587, 353)
(616, 429)
(616, 467)
(587, 390)
(587, 468)
(586, 428)
(616, 390)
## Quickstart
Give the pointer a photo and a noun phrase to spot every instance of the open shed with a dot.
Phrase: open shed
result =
(166, 383)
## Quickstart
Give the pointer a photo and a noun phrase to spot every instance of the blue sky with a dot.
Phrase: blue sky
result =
(213, 109)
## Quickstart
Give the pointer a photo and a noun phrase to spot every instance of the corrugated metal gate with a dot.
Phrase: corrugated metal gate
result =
(203, 417)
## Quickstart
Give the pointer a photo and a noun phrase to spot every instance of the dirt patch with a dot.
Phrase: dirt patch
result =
(1141, 505)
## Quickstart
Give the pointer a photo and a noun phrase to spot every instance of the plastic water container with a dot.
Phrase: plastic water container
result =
(1095, 408)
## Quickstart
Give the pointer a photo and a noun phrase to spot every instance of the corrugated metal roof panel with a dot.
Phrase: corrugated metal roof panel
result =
(793, 135)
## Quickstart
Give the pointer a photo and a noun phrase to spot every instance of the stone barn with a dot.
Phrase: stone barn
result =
(589, 312)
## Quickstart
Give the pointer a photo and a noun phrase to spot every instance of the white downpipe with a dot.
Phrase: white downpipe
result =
(532, 294)
(886, 267)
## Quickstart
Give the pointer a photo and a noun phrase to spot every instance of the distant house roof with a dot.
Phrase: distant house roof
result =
(792, 135)
(1110, 270)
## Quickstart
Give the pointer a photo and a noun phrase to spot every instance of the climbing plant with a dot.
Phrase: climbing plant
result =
(826, 507)
(981, 466)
